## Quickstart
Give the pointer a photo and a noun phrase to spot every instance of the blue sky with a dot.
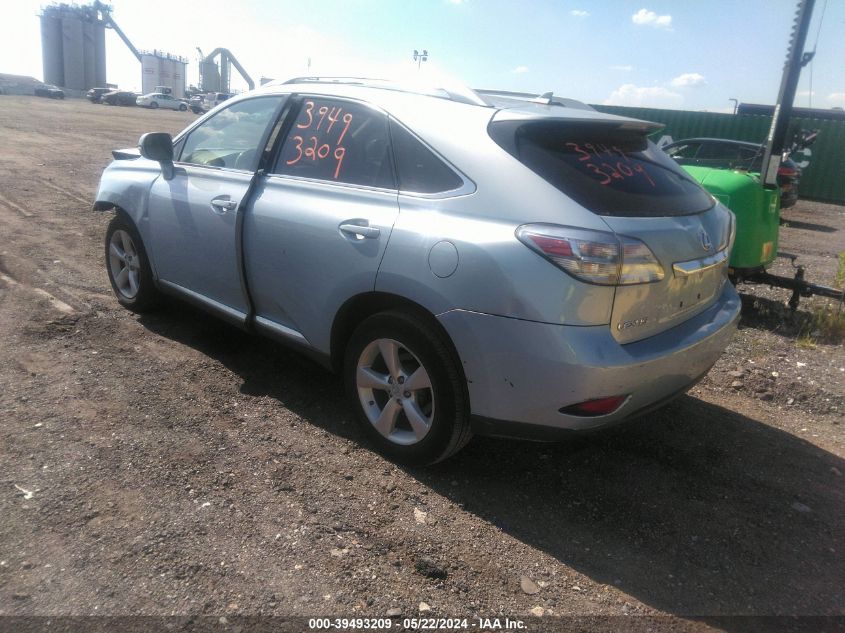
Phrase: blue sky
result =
(663, 53)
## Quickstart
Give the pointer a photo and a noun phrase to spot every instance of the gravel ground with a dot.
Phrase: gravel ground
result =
(171, 465)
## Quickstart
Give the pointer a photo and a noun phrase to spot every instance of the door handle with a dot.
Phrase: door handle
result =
(361, 232)
(223, 205)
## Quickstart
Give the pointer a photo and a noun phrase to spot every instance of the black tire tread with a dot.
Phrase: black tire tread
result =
(148, 297)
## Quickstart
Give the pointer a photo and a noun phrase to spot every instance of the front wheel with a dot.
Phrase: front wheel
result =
(128, 267)
(183, 107)
(154, 105)
(406, 388)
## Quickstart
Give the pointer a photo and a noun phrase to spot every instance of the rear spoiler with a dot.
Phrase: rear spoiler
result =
(577, 118)
(130, 153)
(505, 129)
(499, 98)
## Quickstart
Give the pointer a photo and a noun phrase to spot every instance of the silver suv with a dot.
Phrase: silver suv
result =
(470, 261)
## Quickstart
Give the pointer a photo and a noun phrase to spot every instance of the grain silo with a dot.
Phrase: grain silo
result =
(163, 69)
(73, 45)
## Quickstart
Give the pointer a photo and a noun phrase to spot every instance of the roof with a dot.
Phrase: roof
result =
(451, 96)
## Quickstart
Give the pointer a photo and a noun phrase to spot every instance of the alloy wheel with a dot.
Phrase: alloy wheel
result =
(395, 391)
(124, 264)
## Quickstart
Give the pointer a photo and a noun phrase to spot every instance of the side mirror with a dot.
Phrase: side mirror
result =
(158, 146)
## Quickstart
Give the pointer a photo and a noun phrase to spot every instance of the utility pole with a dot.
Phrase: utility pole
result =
(420, 57)
(796, 59)
(736, 103)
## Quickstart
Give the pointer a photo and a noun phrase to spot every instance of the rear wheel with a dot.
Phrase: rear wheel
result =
(183, 107)
(128, 267)
(406, 389)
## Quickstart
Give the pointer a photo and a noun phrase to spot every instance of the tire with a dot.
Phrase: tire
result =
(154, 105)
(128, 267)
(183, 107)
(416, 424)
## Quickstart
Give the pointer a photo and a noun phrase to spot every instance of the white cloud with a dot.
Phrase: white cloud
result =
(688, 79)
(457, 1)
(520, 70)
(578, 13)
(623, 67)
(645, 96)
(805, 93)
(836, 98)
(644, 17)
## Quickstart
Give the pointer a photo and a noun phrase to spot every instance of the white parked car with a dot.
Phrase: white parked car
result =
(158, 100)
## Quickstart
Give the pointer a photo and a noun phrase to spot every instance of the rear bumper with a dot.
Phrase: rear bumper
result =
(521, 373)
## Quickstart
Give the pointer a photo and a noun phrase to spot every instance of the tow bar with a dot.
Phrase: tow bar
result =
(797, 284)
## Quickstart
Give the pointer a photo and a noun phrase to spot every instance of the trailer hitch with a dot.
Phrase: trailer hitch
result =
(799, 286)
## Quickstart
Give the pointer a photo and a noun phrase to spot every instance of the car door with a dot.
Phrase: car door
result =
(192, 217)
(317, 227)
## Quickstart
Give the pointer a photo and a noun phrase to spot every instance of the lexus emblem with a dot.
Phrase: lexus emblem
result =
(706, 244)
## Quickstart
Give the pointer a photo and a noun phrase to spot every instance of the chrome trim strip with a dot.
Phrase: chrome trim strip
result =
(330, 183)
(688, 268)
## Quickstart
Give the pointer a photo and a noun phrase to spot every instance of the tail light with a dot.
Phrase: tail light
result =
(596, 257)
(787, 172)
(729, 233)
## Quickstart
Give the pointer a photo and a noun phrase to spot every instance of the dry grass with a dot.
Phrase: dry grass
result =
(839, 278)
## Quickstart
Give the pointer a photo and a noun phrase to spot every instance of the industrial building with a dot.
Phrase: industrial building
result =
(215, 77)
(73, 45)
(163, 69)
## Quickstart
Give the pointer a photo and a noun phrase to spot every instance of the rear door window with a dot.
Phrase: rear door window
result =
(604, 168)
(338, 141)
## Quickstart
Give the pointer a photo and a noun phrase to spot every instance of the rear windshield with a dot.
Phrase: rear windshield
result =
(605, 169)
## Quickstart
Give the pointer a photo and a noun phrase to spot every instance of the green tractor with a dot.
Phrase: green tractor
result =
(754, 197)
(757, 211)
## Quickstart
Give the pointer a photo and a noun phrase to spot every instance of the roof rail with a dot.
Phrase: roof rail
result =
(457, 93)
(335, 80)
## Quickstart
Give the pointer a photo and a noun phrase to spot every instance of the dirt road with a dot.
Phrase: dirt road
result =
(169, 464)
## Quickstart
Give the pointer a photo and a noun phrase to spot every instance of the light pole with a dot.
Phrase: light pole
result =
(420, 57)
(736, 103)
